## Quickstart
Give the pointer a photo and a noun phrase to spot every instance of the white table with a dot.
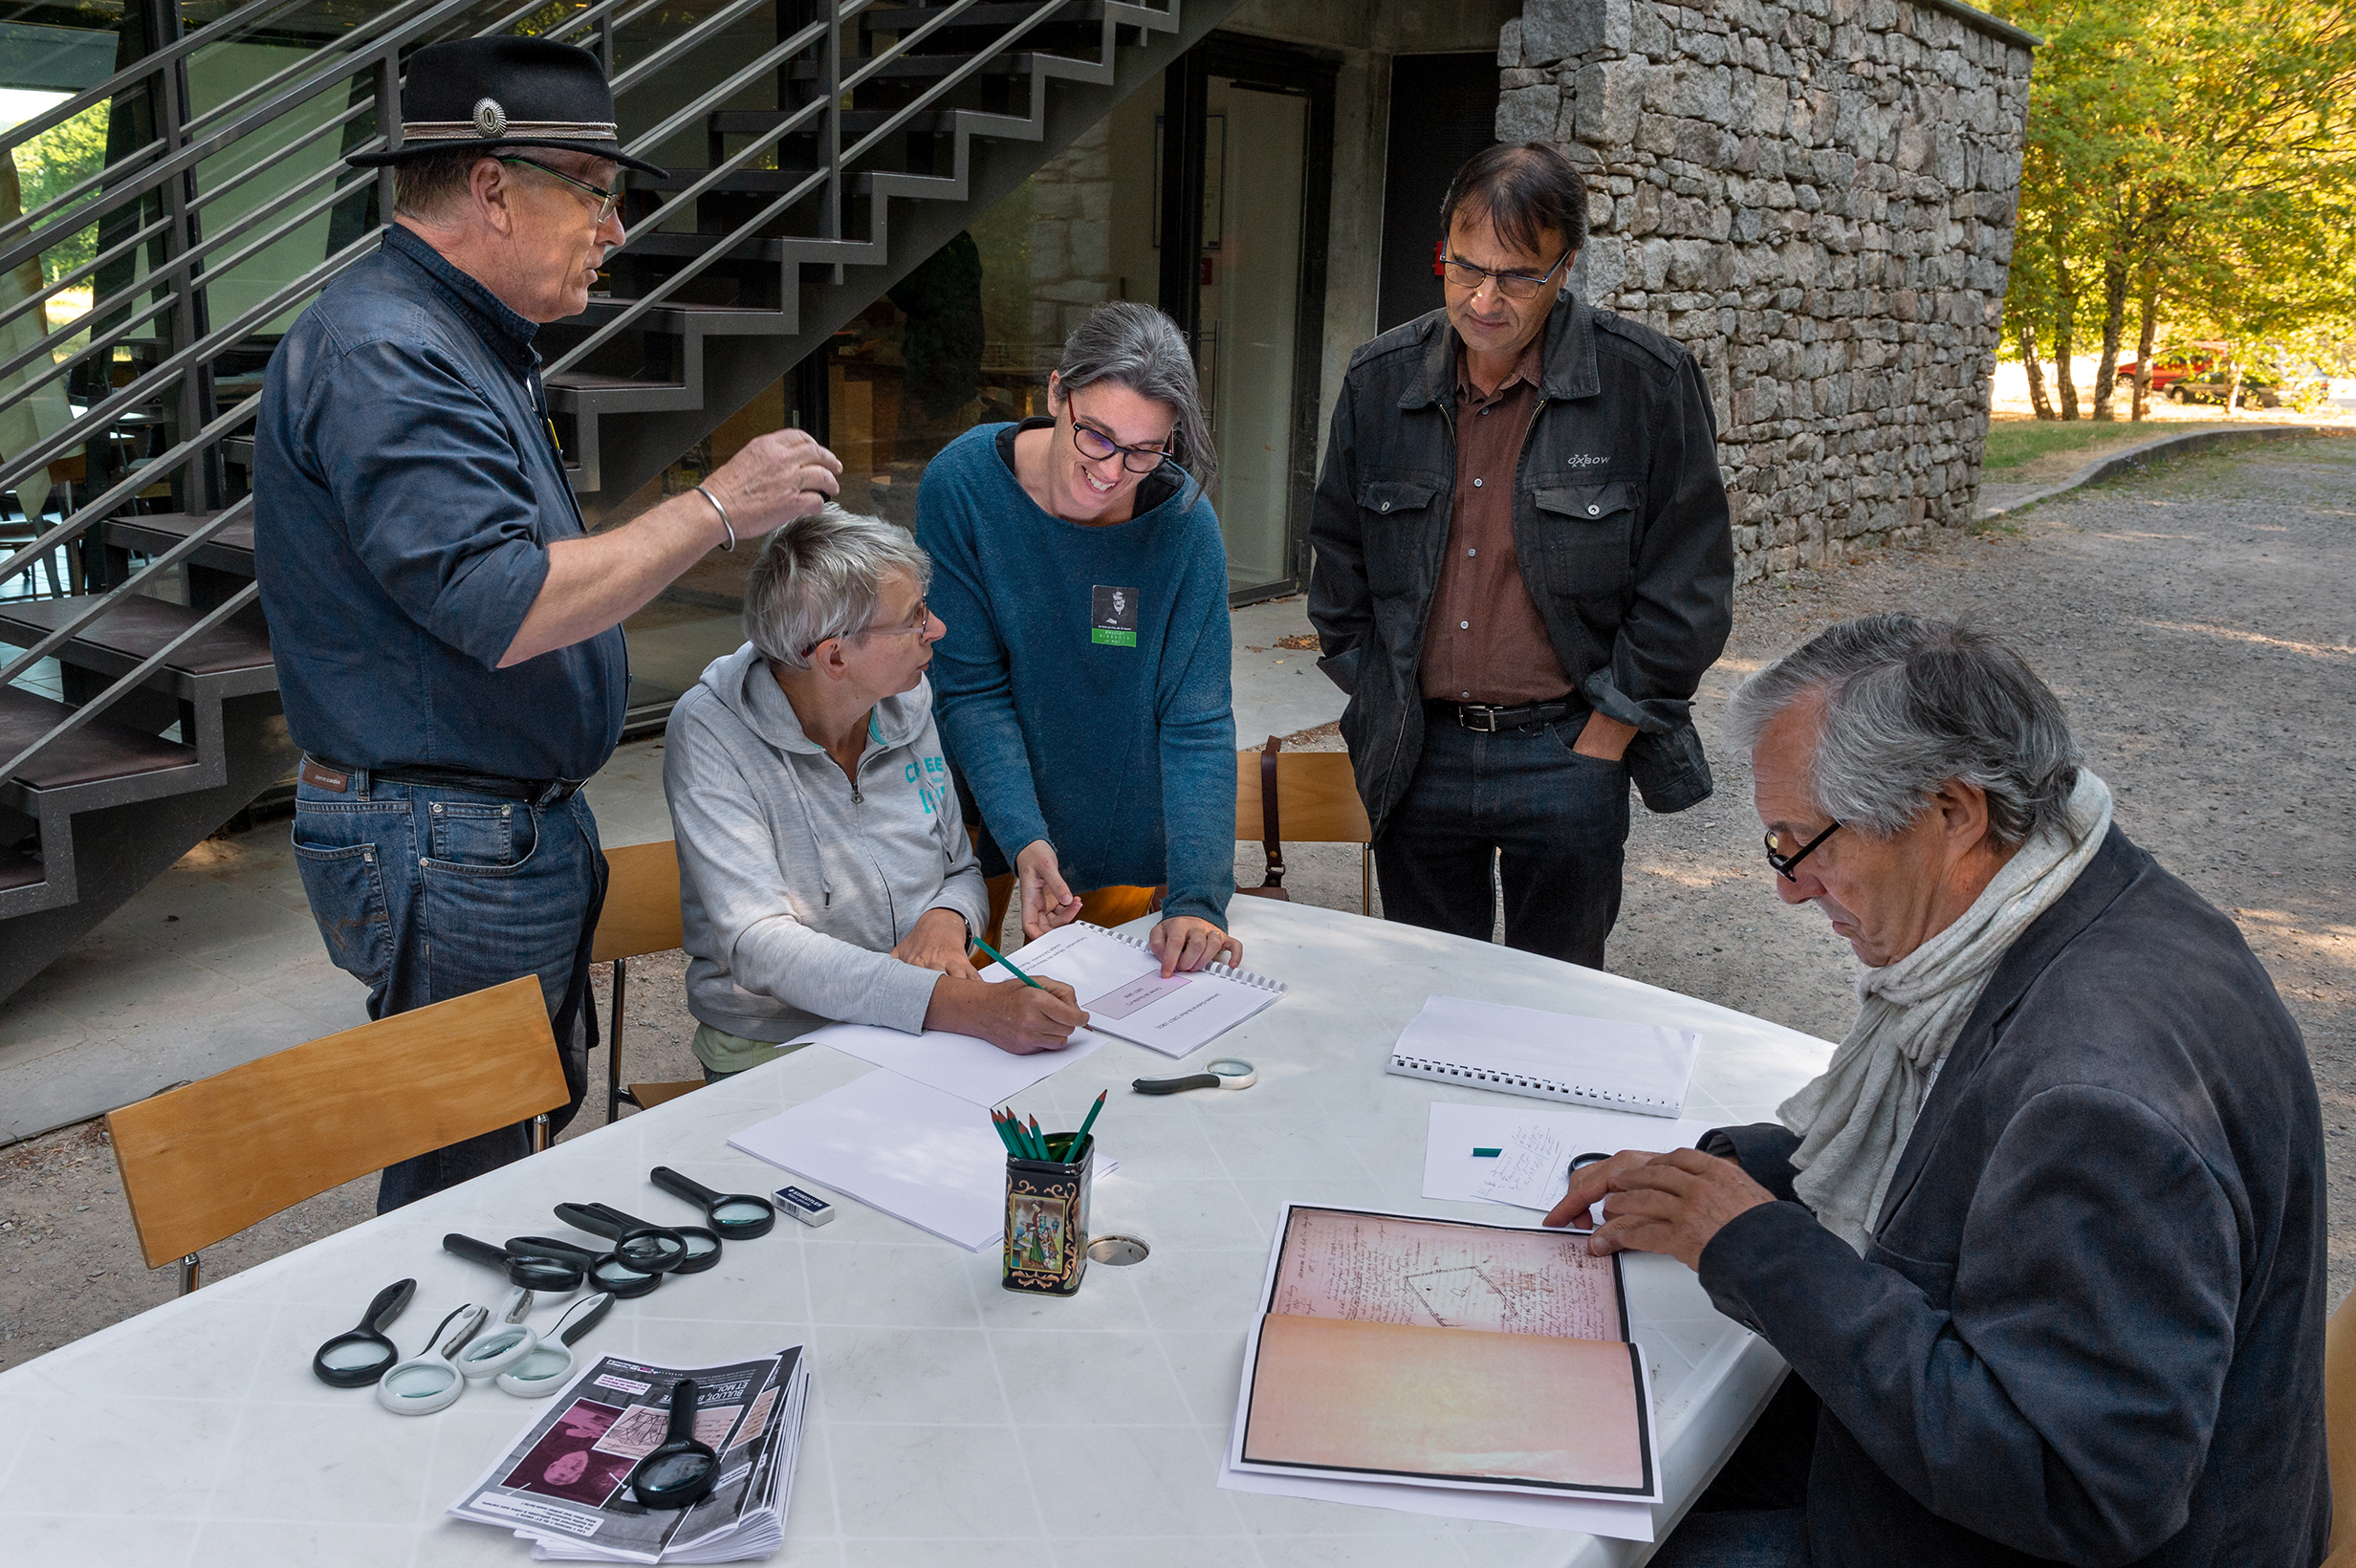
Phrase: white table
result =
(952, 1423)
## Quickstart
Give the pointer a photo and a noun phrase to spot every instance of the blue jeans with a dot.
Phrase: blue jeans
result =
(1555, 823)
(430, 893)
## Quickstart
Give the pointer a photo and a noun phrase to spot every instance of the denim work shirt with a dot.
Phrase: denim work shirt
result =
(405, 491)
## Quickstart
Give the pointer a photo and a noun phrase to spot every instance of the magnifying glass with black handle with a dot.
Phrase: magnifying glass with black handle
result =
(357, 1357)
(605, 1270)
(681, 1473)
(649, 1249)
(737, 1216)
(551, 1276)
(702, 1245)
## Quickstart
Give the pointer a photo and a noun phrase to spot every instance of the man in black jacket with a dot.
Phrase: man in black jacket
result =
(1524, 566)
(2074, 1137)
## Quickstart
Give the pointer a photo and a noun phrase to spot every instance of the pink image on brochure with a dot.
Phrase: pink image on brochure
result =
(1136, 995)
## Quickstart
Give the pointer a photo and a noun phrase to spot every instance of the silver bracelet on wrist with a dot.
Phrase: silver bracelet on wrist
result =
(722, 512)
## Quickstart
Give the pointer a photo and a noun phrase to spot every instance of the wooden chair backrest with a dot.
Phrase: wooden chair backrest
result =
(2340, 1429)
(641, 902)
(1316, 798)
(208, 1159)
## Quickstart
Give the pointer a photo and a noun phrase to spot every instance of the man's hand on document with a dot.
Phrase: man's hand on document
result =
(1669, 1203)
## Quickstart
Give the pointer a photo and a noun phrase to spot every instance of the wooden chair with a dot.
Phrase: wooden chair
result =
(203, 1161)
(640, 917)
(1317, 802)
(2340, 1429)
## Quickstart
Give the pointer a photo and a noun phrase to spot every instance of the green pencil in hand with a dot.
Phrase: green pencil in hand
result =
(1008, 965)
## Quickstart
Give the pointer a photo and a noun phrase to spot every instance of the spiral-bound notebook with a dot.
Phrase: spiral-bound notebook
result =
(1120, 982)
(1549, 1056)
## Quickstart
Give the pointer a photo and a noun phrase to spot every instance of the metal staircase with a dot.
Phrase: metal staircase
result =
(842, 143)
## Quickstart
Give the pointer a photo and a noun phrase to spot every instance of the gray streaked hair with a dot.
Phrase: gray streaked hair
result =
(1910, 704)
(1137, 347)
(428, 186)
(820, 576)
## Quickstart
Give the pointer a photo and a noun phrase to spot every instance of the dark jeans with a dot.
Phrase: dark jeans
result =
(1754, 1514)
(430, 893)
(1555, 823)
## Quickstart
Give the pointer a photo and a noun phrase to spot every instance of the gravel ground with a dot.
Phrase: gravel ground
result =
(2192, 617)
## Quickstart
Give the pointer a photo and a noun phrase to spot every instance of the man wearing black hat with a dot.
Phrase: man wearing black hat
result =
(448, 635)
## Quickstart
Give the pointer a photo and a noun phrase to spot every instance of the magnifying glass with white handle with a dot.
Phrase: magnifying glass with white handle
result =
(427, 1382)
(503, 1345)
(544, 1371)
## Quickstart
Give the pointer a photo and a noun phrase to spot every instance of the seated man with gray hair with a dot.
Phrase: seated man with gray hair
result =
(824, 871)
(2044, 1244)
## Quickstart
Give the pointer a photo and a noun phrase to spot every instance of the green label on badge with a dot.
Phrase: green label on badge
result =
(1119, 640)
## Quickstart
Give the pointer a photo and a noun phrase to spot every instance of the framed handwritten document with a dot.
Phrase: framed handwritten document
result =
(1445, 1353)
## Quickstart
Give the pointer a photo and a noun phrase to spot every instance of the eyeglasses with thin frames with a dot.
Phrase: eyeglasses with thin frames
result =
(1783, 863)
(607, 200)
(915, 628)
(1466, 274)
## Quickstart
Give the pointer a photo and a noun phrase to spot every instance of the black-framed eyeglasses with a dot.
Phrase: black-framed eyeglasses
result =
(1783, 863)
(915, 627)
(1466, 274)
(607, 200)
(1095, 445)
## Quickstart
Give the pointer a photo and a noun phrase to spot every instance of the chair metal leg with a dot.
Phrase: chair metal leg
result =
(1365, 881)
(541, 1138)
(613, 1051)
(190, 1271)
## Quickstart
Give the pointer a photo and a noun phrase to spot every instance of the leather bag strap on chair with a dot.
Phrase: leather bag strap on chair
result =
(1272, 838)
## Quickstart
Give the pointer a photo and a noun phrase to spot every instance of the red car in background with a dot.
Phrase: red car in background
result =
(2170, 368)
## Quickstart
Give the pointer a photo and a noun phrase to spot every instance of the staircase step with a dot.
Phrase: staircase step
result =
(916, 67)
(908, 18)
(856, 122)
(231, 550)
(99, 751)
(569, 389)
(123, 636)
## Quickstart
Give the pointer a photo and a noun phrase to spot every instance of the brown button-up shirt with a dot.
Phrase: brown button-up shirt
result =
(1486, 642)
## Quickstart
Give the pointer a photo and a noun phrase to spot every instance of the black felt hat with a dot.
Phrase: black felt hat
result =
(482, 95)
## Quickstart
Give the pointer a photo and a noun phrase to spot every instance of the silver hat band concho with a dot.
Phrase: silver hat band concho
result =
(466, 130)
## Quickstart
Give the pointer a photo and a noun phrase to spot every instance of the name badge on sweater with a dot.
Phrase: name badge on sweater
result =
(1113, 617)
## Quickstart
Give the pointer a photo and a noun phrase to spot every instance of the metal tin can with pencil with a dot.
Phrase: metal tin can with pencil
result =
(1047, 1185)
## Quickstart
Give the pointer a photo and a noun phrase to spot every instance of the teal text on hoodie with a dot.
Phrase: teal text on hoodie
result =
(794, 883)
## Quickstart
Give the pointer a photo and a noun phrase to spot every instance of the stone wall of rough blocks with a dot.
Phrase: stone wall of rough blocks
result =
(1815, 198)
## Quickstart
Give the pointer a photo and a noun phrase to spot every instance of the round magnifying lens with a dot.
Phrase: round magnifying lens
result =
(495, 1352)
(544, 1364)
(352, 1355)
(613, 1275)
(420, 1382)
(654, 1253)
(675, 1472)
(737, 1211)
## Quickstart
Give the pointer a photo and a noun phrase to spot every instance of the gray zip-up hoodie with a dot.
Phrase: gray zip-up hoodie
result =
(794, 883)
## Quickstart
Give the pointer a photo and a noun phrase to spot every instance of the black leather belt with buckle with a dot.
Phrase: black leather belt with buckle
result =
(546, 791)
(1489, 719)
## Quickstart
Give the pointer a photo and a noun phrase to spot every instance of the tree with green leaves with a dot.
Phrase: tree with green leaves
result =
(2184, 161)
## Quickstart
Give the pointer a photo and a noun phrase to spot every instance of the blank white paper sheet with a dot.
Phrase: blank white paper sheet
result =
(964, 1065)
(918, 1153)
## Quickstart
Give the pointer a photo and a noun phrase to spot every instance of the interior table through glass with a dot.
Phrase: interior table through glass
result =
(951, 1422)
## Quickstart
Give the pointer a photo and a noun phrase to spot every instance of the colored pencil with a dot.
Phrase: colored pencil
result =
(1009, 963)
(1082, 1136)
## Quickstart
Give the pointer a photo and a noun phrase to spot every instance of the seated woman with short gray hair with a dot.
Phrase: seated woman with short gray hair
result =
(824, 871)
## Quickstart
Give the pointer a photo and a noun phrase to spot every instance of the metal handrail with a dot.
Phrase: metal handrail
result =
(376, 45)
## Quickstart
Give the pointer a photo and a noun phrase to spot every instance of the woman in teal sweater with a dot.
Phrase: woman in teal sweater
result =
(1083, 689)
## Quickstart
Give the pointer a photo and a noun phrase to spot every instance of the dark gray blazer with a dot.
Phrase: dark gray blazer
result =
(2090, 1327)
